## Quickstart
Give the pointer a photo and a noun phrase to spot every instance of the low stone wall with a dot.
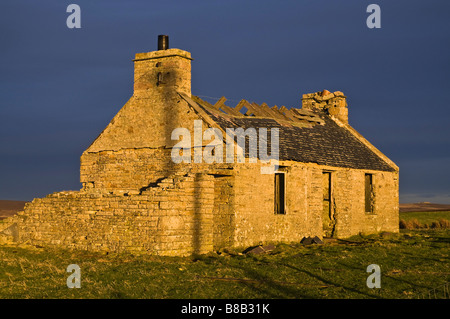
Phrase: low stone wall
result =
(174, 218)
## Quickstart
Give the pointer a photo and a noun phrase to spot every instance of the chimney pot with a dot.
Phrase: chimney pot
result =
(163, 42)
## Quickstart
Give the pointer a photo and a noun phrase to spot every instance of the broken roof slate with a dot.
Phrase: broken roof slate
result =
(325, 144)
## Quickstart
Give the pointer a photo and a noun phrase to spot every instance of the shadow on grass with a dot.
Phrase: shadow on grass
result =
(331, 283)
(267, 287)
(384, 275)
(445, 240)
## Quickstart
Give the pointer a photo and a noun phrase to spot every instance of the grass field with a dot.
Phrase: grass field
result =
(430, 219)
(425, 217)
(412, 263)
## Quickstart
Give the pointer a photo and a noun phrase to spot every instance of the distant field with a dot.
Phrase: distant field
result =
(423, 207)
(10, 207)
(424, 215)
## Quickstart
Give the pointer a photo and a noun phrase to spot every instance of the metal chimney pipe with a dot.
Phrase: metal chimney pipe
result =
(163, 42)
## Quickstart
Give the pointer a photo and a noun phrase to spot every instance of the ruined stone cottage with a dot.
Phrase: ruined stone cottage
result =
(329, 181)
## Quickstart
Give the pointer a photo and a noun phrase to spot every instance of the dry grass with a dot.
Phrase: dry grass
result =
(425, 220)
(414, 223)
(442, 223)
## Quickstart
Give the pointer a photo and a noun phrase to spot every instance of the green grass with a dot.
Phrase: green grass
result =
(411, 262)
(425, 217)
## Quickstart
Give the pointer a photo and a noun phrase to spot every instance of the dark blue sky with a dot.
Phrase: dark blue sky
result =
(60, 87)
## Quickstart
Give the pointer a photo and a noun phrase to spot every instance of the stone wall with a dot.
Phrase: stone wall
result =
(256, 221)
(223, 214)
(125, 170)
(174, 218)
(134, 150)
(385, 212)
(199, 212)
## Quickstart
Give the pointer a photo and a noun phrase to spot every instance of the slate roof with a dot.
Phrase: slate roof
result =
(314, 138)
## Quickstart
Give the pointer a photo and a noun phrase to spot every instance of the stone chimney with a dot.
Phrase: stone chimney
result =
(334, 104)
(162, 70)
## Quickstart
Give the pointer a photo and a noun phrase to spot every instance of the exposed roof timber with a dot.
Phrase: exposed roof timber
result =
(261, 110)
(301, 137)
